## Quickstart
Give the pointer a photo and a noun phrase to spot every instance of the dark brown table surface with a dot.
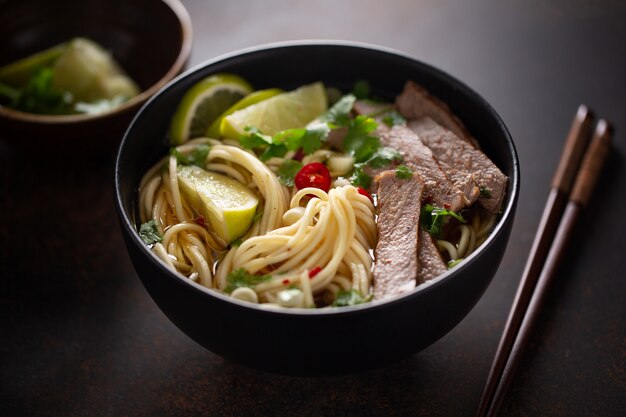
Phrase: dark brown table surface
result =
(81, 337)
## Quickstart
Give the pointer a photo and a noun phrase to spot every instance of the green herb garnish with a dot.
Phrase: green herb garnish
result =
(241, 278)
(308, 139)
(403, 172)
(288, 170)
(349, 298)
(149, 233)
(339, 114)
(485, 192)
(39, 96)
(393, 118)
(434, 218)
(383, 157)
(359, 178)
(455, 262)
(358, 141)
(196, 157)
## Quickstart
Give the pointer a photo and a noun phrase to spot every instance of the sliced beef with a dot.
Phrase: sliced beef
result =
(395, 269)
(437, 186)
(468, 168)
(429, 259)
(446, 146)
(415, 102)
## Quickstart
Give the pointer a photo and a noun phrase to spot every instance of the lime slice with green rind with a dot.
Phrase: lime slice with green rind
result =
(204, 102)
(90, 73)
(293, 109)
(17, 74)
(227, 205)
(214, 130)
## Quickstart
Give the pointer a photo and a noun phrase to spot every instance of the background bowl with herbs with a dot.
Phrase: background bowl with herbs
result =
(76, 73)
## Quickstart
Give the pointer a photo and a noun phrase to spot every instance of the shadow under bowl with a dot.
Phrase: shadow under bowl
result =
(324, 341)
(151, 40)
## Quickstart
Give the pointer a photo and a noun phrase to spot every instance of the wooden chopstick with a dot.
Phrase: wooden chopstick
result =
(572, 153)
(585, 181)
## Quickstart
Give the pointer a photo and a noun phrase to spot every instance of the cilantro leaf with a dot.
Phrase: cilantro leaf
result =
(309, 139)
(273, 151)
(403, 172)
(39, 95)
(313, 138)
(383, 157)
(288, 170)
(149, 233)
(291, 138)
(434, 218)
(254, 138)
(393, 118)
(241, 278)
(359, 177)
(358, 141)
(349, 298)
(197, 156)
(339, 114)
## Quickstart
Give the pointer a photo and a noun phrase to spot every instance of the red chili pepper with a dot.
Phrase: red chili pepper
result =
(314, 175)
(314, 271)
(364, 192)
(200, 220)
(285, 281)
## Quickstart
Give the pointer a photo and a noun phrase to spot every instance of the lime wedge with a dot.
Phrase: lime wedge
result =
(284, 111)
(90, 73)
(228, 205)
(17, 74)
(214, 130)
(205, 102)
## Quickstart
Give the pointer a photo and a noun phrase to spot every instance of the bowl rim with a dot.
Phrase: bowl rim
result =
(507, 212)
(184, 20)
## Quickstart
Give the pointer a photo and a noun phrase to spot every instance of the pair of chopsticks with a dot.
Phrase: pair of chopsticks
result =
(571, 190)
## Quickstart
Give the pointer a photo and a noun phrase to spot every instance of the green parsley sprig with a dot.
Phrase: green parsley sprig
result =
(197, 156)
(404, 172)
(149, 233)
(433, 219)
(241, 278)
(349, 298)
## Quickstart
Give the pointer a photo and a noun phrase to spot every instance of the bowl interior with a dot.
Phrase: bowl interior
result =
(445, 301)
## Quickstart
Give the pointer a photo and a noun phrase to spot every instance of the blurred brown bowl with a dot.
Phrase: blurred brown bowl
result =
(150, 39)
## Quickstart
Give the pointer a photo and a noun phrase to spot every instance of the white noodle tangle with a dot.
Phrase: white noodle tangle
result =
(335, 233)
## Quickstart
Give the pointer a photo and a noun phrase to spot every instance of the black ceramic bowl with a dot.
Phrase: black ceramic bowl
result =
(150, 39)
(330, 341)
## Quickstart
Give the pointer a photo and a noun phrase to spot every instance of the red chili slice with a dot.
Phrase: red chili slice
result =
(364, 192)
(314, 271)
(314, 175)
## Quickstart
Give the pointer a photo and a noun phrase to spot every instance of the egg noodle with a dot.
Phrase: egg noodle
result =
(328, 248)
